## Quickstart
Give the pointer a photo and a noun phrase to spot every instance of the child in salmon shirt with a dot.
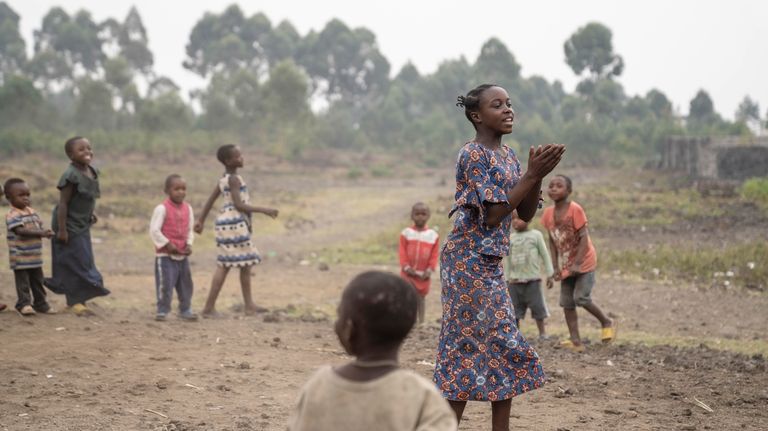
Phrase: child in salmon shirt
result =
(574, 259)
(419, 250)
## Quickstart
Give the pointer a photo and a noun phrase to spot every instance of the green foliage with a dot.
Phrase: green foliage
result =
(262, 80)
(13, 55)
(591, 49)
(756, 190)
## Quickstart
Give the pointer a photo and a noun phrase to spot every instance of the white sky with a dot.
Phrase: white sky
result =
(677, 46)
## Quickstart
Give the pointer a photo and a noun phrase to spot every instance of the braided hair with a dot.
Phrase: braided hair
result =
(471, 102)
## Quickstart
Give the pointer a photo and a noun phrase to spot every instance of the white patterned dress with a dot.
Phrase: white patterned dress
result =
(233, 230)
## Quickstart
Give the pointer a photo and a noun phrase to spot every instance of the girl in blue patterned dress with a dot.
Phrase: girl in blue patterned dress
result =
(233, 230)
(481, 354)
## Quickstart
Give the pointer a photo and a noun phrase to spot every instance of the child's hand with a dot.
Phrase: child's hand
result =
(271, 212)
(425, 275)
(47, 233)
(199, 226)
(558, 276)
(63, 236)
(187, 250)
(574, 268)
(410, 271)
(172, 249)
(542, 160)
(550, 282)
(94, 219)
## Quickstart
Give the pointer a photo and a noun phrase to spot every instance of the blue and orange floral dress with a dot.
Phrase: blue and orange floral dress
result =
(481, 355)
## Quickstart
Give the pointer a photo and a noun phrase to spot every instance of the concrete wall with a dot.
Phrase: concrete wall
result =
(730, 158)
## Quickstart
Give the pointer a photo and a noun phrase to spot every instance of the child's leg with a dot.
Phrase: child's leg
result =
(21, 277)
(583, 296)
(245, 285)
(218, 281)
(542, 328)
(420, 306)
(166, 275)
(568, 303)
(184, 287)
(500, 415)
(572, 320)
(38, 292)
(458, 408)
(538, 304)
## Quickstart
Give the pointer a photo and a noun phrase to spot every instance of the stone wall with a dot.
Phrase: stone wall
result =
(731, 158)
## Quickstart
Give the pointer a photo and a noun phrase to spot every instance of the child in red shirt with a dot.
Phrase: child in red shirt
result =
(574, 259)
(418, 253)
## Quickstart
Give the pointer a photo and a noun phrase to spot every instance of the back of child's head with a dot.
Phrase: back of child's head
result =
(8, 185)
(70, 144)
(382, 305)
(169, 181)
(225, 152)
(471, 101)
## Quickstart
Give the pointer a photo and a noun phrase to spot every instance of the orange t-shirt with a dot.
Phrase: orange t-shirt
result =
(563, 233)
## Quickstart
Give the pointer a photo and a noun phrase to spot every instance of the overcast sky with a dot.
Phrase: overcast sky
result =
(677, 46)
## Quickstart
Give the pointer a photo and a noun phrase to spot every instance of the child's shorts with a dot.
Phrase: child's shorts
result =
(526, 295)
(577, 290)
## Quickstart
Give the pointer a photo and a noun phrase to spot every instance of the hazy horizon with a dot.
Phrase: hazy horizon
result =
(676, 47)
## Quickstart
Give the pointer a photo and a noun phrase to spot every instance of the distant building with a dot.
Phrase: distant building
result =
(729, 158)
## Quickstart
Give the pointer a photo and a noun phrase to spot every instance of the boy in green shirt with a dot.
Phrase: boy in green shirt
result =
(522, 270)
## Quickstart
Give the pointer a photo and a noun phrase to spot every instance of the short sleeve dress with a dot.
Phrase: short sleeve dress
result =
(74, 271)
(233, 230)
(481, 354)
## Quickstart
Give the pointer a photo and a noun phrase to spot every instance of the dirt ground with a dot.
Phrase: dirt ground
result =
(121, 370)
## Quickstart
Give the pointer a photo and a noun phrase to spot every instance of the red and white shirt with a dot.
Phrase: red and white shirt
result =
(419, 250)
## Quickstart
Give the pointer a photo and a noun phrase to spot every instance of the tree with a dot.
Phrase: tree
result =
(134, 43)
(748, 111)
(344, 63)
(163, 109)
(230, 42)
(94, 105)
(19, 101)
(495, 63)
(701, 107)
(659, 103)
(590, 48)
(13, 55)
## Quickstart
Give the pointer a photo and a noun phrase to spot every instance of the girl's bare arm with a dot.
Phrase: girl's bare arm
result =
(65, 195)
(237, 200)
(206, 209)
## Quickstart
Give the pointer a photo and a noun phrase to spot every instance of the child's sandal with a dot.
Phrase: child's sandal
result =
(576, 348)
(607, 335)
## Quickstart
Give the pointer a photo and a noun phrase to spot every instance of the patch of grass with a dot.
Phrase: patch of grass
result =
(736, 265)
(756, 190)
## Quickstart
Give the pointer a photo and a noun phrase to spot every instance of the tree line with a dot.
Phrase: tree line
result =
(265, 81)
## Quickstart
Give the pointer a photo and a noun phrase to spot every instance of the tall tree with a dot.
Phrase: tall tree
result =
(748, 110)
(496, 64)
(590, 48)
(12, 48)
(344, 63)
(134, 43)
(701, 107)
(229, 42)
(659, 103)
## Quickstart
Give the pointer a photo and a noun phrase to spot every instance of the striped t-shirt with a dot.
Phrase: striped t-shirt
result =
(25, 252)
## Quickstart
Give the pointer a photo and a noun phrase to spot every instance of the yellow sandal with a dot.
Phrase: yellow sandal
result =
(576, 348)
(607, 335)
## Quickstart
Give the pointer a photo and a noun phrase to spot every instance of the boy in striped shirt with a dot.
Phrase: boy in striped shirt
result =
(25, 249)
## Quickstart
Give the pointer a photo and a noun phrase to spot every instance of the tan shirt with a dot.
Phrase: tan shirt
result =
(399, 401)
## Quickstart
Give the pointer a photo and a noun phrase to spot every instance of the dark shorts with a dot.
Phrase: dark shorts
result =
(577, 290)
(527, 295)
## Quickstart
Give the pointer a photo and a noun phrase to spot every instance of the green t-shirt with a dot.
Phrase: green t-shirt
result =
(527, 252)
(83, 202)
